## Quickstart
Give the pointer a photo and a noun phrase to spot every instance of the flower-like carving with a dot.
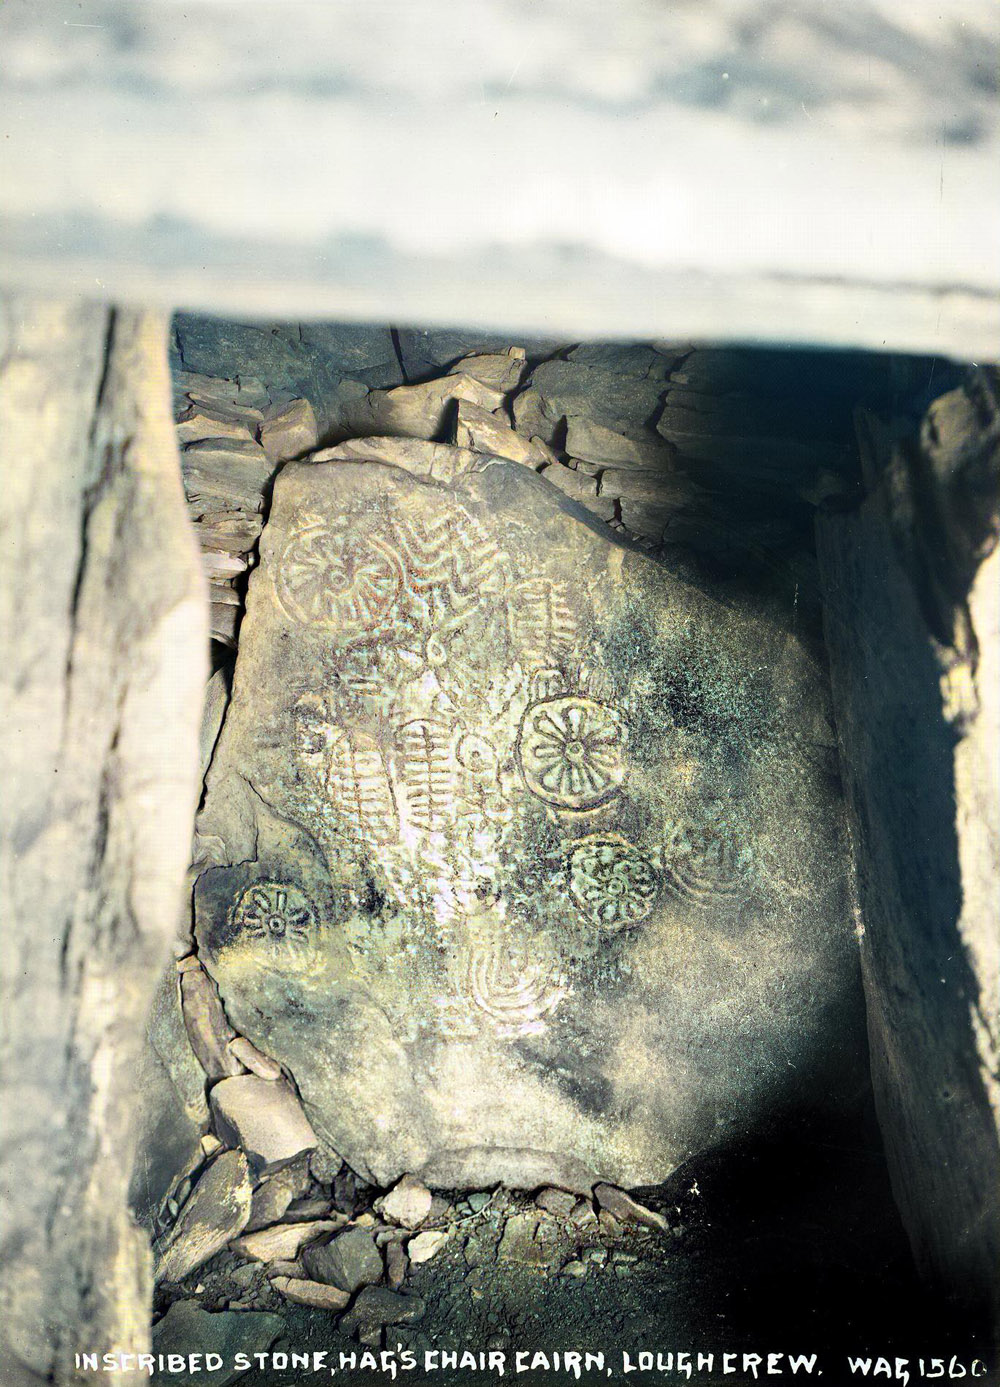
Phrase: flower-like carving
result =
(275, 912)
(333, 575)
(614, 884)
(571, 751)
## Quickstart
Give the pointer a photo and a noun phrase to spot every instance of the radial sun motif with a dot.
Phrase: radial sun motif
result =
(571, 751)
(274, 912)
(614, 884)
(331, 576)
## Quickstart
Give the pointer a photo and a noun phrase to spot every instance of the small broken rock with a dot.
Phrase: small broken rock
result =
(442, 462)
(583, 1215)
(397, 1264)
(478, 428)
(283, 1241)
(251, 1058)
(407, 1203)
(579, 487)
(205, 1022)
(628, 1210)
(349, 1261)
(272, 1197)
(376, 1307)
(215, 1213)
(304, 1210)
(263, 1116)
(325, 1165)
(501, 372)
(198, 422)
(555, 1201)
(426, 1245)
(520, 1241)
(291, 433)
(417, 411)
(316, 1294)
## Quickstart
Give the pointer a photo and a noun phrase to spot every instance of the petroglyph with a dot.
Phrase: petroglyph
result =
(515, 983)
(509, 766)
(274, 913)
(704, 864)
(338, 575)
(572, 752)
(613, 883)
(544, 623)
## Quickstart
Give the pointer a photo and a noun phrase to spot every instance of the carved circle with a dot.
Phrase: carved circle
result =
(704, 863)
(274, 912)
(508, 986)
(331, 576)
(571, 751)
(614, 884)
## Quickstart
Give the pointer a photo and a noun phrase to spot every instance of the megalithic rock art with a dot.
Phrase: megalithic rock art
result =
(521, 856)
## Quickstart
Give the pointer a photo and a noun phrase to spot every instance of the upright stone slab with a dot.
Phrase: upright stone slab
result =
(529, 861)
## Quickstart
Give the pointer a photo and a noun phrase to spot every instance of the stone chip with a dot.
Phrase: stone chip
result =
(349, 1260)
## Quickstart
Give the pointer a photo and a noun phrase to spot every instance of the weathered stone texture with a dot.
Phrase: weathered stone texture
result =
(528, 858)
(911, 590)
(103, 630)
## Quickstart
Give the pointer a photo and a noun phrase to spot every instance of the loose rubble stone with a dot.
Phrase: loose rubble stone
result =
(627, 1209)
(417, 411)
(426, 1245)
(426, 352)
(207, 1027)
(324, 1165)
(520, 1241)
(518, 793)
(397, 1264)
(291, 432)
(264, 1117)
(315, 1294)
(583, 1215)
(609, 392)
(284, 1241)
(235, 472)
(555, 1201)
(349, 1260)
(197, 423)
(478, 428)
(273, 1195)
(376, 1307)
(408, 1202)
(305, 1209)
(501, 371)
(580, 487)
(576, 1269)
(593, 442)
(216, 1212)
(441, 462)
(344, 1190)
(251, 1058)
(187, 1328)
(224, 399)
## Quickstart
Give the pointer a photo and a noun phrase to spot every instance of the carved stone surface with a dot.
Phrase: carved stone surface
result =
(528, 855)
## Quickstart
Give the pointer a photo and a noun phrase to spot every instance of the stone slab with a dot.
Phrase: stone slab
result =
(535, 856)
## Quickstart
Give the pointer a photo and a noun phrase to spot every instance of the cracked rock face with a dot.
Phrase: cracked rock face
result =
(527, 855)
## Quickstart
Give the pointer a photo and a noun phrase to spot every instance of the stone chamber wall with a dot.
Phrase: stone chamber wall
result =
(499, 829)
(754, 586)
